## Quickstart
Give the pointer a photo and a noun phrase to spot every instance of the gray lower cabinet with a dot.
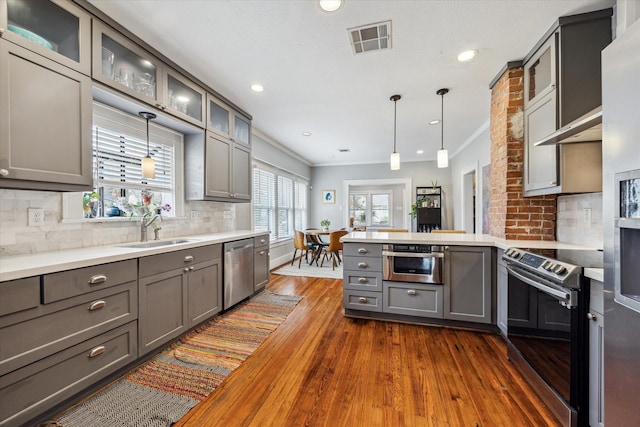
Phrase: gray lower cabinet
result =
(468, 284)
(260, 262)
(502, 293)
(67, 330)
(43, 101)
(177, 290)
(413, 299)
(596, 355)
(362, 276)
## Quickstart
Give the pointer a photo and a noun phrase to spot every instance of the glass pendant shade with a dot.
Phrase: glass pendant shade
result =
(394, 160)
(443, 158)
(148, 167)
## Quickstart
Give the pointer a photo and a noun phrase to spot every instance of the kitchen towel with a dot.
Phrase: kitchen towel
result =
(163, 389)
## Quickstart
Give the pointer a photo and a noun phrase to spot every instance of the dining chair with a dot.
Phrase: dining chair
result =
(449, 231)
(315, 245)
(334, 248)
(300, 245)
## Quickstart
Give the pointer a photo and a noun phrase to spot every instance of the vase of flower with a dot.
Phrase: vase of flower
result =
(325, 223)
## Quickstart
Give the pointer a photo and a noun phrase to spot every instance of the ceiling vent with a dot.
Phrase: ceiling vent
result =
(370, 37)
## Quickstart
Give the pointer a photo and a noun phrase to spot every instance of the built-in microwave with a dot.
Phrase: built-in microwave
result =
(412, 263)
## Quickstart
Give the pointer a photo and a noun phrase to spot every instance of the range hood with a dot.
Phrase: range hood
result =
(584, 129)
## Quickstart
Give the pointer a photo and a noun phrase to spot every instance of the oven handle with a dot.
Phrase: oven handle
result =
(546, 289)
(414, 254)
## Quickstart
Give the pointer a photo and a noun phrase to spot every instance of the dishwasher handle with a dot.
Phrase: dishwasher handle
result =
(238, 245)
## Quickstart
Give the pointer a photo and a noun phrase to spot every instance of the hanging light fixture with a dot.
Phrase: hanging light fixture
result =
(443, 155)
(394, 159)
(148, 164)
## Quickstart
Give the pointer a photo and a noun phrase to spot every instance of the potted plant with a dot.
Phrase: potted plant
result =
(90, 204)
(325, 223)
(415, 206)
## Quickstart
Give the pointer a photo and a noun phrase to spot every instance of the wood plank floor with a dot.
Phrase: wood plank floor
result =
(320, 368)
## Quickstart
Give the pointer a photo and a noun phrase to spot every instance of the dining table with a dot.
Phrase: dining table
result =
(318, 233)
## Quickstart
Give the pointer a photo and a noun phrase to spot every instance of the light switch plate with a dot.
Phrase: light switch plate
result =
(36, 217)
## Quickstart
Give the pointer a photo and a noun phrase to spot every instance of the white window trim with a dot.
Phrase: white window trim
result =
(369, 208)
(407, 196)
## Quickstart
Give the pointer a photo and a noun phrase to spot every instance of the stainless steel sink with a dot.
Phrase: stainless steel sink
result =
(158, 243)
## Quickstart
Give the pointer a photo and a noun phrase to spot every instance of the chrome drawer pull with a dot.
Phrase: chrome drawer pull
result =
(98, 278)
(188, 258)
(261, 253)
(592, 316)
(97, 305)
(262, 240)
(363, 265)
(186, 269)
(362, 251)
(363, 280)
(97, 351)
(412, 292)
(363, 300)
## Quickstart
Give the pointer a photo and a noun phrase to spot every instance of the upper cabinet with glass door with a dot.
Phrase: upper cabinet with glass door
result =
(540, 72)
(120, 63)
(223, 120)
(56, 29)
(183, 98)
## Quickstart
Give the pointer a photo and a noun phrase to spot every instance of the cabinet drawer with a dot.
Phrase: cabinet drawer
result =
(362, 263)
(363, 280)
(67, 284)
(54, 327)
(156, 264)
(413, 299)
(27, 392)
(363, 249)
(21, 294)
(362, 300)
(261, 241)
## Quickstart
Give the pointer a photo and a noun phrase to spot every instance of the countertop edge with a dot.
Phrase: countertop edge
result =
(595, 274)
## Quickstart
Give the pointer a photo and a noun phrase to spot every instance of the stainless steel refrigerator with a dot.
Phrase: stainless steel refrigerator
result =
(621, 227)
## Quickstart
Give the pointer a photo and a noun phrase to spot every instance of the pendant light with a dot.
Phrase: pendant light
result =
(443, 155)
(394, 159)
(148, 164)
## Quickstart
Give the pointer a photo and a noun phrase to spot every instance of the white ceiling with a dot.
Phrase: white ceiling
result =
(313, 82)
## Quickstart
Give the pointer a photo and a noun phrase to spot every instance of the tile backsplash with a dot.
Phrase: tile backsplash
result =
(18, 238)
(579, 219)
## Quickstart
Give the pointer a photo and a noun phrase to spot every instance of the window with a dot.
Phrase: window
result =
(119, 144)
(371, 209)
(279, 202)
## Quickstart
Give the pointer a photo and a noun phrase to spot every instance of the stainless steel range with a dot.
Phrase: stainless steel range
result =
(547, 326)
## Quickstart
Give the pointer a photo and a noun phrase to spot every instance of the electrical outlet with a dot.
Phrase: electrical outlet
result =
(226, 215)
(586, 215)
(194, 214)
(36, 217)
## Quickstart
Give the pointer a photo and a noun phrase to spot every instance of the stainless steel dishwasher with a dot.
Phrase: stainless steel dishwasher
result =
(238, 271)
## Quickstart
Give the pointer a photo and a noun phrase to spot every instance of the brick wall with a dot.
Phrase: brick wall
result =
(512, 215)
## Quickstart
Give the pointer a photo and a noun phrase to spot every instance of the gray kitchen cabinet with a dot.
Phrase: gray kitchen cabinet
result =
(413, 299)
(45, 109)
(362, 276)
(177, 290)
(55, 29)
(596, 355)
(502, 285)
(217, 168)
(468, 286)
(260, 262)
(562, 82)
(226, 122)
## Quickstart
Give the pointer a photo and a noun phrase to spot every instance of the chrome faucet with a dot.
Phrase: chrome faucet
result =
(144, 224)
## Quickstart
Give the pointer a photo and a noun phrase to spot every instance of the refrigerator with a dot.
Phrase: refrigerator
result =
(621, 227)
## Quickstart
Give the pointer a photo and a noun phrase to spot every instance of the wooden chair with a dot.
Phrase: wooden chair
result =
(300, 245)
(449, 231)
(315, 245)
(334, 248)
(392, 230)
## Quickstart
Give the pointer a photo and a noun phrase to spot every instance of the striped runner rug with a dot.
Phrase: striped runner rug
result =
(165, 388)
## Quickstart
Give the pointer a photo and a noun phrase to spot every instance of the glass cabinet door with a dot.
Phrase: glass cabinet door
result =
(55, 29)
(219, 117)
(540, 72)
(123, 65)
(183, 98)
(241, 129)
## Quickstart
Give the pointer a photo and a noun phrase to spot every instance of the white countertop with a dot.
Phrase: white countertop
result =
(595, 274)
(16, 267)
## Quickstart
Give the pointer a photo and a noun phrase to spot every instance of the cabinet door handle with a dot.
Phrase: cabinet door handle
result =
(363, 300)
(362, 251)
(188, 258)
(97, 279)
(412, 292)
(592, 316)
(262, 241)
(97, 351)
(97, 305)
(186, 269)
(363, 265)
(191, 268)
(261, 253)
(363, 280)
(4, 172)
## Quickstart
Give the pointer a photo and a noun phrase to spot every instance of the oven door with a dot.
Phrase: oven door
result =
(412, 267)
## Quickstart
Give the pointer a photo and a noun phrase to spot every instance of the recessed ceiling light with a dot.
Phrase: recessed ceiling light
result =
(419, 151)
(467, 55)
(434, 122)
(330, 5)
(257, 88)
(306, 133)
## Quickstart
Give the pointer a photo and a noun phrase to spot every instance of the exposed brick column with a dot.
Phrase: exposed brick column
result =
(513, 216)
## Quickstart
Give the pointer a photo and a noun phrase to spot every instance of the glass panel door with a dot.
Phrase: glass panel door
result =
(241, 129)
(185, 98)
(219, 118)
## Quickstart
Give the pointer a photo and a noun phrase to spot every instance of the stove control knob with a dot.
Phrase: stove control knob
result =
(559, 269)
(546, 265)
(509, 252)
(550, 266)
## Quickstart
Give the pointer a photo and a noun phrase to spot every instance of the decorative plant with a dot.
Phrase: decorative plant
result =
(325, 223)
(89, 199)
(434, 184)
(415, 206)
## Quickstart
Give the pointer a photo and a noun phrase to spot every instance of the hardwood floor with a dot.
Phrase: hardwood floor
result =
(320, 368)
